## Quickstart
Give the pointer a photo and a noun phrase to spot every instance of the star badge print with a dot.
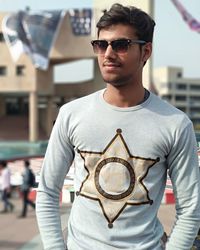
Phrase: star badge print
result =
(115, 178)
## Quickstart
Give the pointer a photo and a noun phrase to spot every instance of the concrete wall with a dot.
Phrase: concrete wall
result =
(44, 81)
(69, 46)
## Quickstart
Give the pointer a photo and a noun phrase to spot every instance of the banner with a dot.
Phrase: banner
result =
(187, 17)
(33, 33)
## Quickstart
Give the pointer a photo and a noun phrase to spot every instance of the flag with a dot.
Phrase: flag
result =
(33, 33)
(15, 35)
(187, 17)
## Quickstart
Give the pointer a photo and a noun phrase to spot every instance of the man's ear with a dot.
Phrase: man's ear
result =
(147, 50)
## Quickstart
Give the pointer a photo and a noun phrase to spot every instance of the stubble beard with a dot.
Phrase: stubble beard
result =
(119, 81)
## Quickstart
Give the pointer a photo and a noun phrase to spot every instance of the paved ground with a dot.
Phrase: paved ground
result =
(14, 232)
(22, 234)
(166, 215)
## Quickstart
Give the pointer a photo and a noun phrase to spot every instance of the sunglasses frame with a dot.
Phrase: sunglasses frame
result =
(113, 43)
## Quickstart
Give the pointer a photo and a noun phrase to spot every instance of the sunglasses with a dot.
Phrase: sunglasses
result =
(119, 46)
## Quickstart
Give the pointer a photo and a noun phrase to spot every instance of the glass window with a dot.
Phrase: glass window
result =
(179, 74)
(3, 70)
(180, 98)
(195, 87)
(195, 110)
(182, 109)
(20, 70)
(167, 97)
(181, 86)
(194, 98)
(1, 37)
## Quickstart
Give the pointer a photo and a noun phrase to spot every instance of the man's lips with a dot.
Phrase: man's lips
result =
(111, 65)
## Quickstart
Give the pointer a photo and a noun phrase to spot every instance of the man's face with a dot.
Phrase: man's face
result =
(119, 69)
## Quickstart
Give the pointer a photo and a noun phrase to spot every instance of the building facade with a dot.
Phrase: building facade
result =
(183, 93)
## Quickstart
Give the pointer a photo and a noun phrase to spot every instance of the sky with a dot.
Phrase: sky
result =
(175, 44)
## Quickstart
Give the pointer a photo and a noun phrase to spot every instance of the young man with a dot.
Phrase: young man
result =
(123, 140)
(6, 187)
(25, 189)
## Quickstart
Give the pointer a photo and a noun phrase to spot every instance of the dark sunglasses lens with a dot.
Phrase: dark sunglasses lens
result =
(120, 46)
(100, 46)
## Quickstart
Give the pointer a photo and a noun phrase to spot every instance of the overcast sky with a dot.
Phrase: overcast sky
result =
(175, 44)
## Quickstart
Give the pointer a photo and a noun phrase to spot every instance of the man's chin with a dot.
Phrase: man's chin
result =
(115, 83)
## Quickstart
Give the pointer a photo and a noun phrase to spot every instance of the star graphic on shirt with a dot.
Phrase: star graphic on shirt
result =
(115, 178)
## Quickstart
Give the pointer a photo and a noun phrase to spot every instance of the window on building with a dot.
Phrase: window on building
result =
(167, 97)
(182, 109)
(20, 70)
(3, 70)
(181, 86)
(194, 98)
(16, 105)
(179, 74)
(1, 37)
(195, 87)
(195, 110)
(196, 122)
(180, 98)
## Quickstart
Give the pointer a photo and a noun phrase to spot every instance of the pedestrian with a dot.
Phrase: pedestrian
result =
(6, 187)
(123, 141)
(26, 188)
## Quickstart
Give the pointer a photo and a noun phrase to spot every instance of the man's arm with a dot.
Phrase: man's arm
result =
(184, 173)
(58, 159)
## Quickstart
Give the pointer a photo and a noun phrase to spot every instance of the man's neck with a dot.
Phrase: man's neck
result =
(124, 97)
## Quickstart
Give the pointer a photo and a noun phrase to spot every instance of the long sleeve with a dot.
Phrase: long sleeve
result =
(58, 159)
(184, 173)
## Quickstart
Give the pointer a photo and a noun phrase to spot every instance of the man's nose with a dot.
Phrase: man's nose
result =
(110, 52)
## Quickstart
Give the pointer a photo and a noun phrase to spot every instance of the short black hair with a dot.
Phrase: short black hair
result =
(27, 163)
(3, 163)
(139, 20)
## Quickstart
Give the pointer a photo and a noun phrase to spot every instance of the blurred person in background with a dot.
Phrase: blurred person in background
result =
(123, 141)
(6, 187)
(27, 184)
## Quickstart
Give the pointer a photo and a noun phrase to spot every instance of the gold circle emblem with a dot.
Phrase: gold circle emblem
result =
(131, 174)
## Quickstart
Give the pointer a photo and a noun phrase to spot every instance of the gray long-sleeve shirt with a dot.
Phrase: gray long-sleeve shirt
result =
(121, 158)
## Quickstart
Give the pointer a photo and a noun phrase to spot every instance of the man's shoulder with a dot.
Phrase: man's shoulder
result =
(81, 102)
(166, 110)
(165, 106)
